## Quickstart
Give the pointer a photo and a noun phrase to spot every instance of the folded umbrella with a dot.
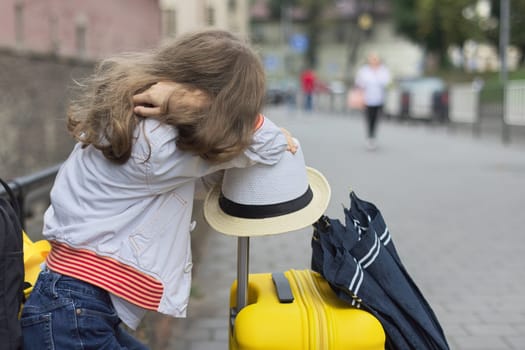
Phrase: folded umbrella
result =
(360, 262)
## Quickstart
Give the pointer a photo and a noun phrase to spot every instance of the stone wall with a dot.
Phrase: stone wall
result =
(34, 94)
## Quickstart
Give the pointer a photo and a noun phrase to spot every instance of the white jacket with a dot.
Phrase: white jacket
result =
(138, 214)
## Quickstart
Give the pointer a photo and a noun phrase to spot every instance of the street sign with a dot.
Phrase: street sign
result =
(298, 43)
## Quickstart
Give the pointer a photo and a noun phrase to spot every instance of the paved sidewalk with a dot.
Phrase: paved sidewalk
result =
(454, 206)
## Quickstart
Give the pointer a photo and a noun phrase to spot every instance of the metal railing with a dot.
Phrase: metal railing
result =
(33, 187)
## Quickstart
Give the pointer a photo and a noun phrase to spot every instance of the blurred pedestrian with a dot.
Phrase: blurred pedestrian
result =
(373, 78)
(308, 81)
(120, 215)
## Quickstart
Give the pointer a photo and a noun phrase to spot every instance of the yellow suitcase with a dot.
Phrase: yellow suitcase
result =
(295, 310)
(35, 254)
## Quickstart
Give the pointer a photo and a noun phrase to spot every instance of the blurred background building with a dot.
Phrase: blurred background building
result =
(339, 35)
(97, 28)
(179, 16)
(45, 45)
(77, 28)
(333, 37)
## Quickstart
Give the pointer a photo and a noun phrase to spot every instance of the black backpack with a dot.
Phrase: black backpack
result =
(11, 271)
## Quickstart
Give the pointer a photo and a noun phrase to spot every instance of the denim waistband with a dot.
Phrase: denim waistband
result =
(56, 281)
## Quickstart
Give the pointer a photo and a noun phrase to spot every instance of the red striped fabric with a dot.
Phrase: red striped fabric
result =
(106, 273)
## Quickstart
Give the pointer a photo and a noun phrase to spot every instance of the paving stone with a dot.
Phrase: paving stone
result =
(516, 342)
(208, 345)
(479, 342)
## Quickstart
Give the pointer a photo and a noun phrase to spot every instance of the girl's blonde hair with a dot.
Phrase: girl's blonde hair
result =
(216, 62)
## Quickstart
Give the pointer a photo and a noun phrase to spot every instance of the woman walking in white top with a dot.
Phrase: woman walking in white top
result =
(373, 79)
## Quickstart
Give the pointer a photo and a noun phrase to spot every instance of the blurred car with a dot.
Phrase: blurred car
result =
(423, 98)
(279, 92)
(275, 96)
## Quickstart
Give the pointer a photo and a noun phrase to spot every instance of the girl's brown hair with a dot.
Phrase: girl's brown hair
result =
(216, 62)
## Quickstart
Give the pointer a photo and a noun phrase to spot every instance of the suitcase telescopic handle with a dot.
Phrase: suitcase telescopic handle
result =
(243, 251)
(282, 285)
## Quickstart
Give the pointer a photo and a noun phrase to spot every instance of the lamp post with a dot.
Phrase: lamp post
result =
(504, 39)
(503, 43)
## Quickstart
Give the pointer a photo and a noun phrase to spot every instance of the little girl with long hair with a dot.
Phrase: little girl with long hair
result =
(121, 205)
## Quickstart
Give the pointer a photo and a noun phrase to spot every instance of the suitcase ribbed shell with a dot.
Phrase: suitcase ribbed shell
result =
(316, 319)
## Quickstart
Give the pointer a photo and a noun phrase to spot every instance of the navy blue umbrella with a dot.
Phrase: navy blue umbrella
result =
(360, 262)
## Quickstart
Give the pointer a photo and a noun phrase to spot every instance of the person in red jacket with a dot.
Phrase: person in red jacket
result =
(308, 81)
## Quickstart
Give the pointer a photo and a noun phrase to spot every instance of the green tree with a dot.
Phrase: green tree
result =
(516, 23)
(436, 24)
(405, 21)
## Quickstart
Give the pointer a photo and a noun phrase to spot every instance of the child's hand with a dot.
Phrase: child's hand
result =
(154, 101)
(292, 146)
(164, 96)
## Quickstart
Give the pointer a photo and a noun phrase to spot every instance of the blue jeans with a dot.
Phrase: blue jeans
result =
(65, 313)
(309, 101)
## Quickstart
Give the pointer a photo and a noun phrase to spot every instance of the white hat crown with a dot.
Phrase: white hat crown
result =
(266, 190)
(268, 199)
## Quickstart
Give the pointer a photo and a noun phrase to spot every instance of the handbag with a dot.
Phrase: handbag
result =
(356, 98)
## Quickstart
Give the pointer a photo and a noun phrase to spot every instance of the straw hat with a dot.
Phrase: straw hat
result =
(268, 199)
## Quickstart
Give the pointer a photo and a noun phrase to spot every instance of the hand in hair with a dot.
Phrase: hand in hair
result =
(165, 96)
